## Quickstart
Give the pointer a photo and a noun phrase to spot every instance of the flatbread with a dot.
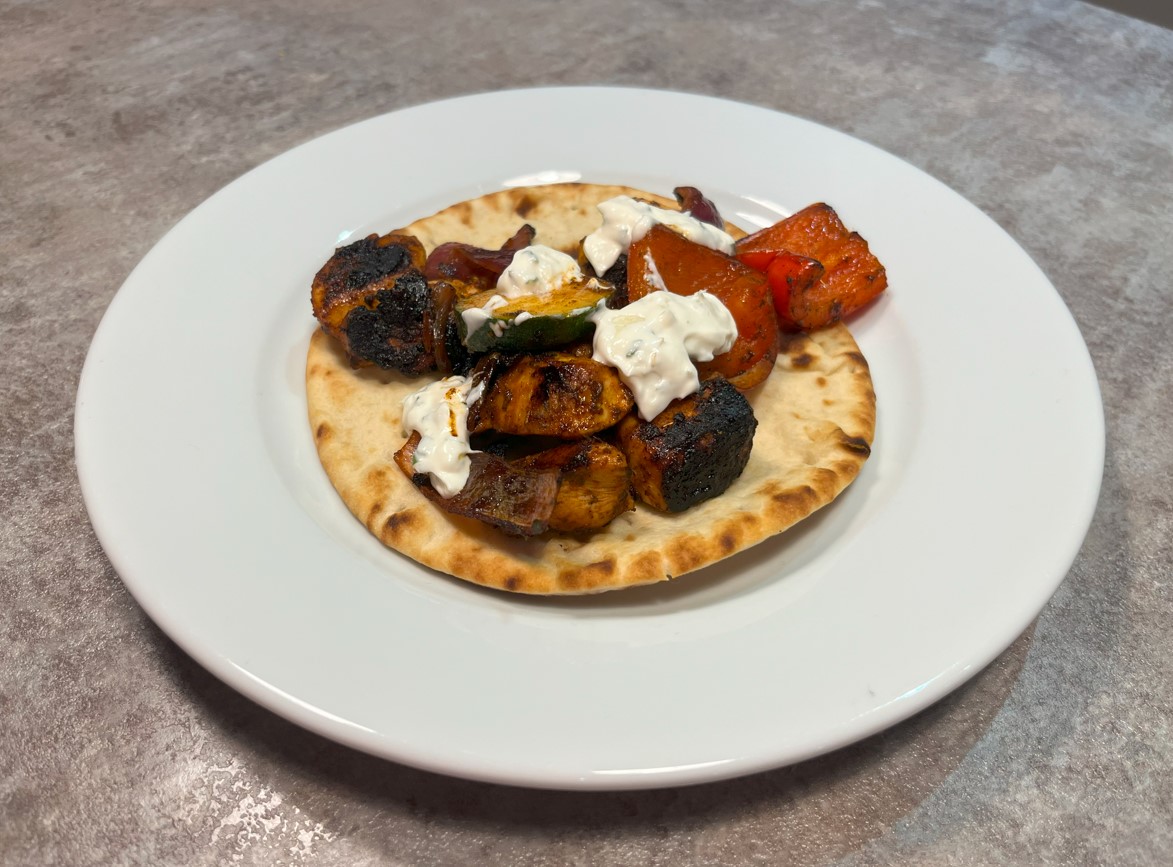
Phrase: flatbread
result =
(816, 419)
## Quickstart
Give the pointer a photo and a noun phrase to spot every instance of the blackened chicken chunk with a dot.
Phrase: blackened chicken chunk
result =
(358, 269)
(388, 328)
(372, 296)
(693, 450)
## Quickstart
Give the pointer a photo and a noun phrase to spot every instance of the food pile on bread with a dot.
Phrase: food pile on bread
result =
(576, 387)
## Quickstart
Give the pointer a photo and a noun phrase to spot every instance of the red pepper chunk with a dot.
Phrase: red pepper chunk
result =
(759, 260)
(818, 271)
(790, 276)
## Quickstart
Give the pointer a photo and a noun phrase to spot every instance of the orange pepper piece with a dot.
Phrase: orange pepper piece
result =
(663, 259)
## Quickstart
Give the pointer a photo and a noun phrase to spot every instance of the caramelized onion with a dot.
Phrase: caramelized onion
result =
(475, 266)
(513, 499)
(692, 201)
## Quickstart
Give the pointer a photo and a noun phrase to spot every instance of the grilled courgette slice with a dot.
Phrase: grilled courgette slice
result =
(489, 321)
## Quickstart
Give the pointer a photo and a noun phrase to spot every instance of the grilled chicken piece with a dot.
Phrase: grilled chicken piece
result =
(516, 500)
(693, 450)
(556, 394)
(595, 485)
(372, 296)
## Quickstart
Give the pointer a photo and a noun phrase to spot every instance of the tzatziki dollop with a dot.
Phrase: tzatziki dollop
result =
(626, 220)
(439, 412)
(537, 270)
(534, 270)
(654, 341)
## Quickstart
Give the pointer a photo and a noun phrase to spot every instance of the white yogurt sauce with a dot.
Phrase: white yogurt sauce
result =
(537, 270)
(652, 343)
(653, 273)
(476, 317)
(439, 412)
(626, 220)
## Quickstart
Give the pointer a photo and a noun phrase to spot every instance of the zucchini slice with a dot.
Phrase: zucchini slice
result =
(532, 322)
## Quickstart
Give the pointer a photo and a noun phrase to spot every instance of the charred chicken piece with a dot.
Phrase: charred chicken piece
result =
(595, 484)
(373, 298)
(556, 394)
(693, 450)
(366, 265)
(516, 500)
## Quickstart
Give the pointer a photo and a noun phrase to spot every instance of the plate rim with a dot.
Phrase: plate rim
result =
(340, 730)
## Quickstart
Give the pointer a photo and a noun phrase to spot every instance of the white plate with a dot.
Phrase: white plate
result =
(203, 486)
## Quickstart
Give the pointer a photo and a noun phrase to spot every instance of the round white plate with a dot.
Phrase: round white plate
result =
(202, 482)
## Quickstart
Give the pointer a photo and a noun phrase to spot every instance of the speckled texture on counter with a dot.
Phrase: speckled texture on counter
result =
(117, 117)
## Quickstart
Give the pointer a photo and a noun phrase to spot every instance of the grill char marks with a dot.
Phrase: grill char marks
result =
(366, 261)
(373, 298)
(556, 394)
(389, 328)
(692, 451)
(363, 267)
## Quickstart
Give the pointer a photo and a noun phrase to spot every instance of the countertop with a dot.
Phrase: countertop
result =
(117, 118)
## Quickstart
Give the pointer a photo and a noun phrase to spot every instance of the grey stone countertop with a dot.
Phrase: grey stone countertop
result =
(118, 117)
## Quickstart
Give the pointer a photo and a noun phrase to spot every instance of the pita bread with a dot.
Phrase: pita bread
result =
(816, 419)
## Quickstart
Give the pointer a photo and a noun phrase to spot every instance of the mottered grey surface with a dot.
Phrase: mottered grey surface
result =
(117, 118)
